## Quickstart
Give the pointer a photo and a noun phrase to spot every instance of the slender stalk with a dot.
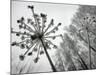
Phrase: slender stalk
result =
(86, 42)
(82, 62)
(36, 28)
(89, 48)
(50, 61)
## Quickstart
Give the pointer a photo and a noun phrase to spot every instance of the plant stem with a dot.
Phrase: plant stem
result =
(89, 47)
(50, 61)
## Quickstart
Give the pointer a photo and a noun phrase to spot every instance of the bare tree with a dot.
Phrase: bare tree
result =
(84, 27)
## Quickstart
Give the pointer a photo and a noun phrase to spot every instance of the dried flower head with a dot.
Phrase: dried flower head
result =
(36, 34)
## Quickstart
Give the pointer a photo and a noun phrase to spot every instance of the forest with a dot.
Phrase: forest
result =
(78, 49)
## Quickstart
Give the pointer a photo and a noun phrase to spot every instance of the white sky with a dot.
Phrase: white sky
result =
(59, 12)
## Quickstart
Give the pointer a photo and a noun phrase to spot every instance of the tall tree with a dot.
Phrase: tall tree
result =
(84, 27)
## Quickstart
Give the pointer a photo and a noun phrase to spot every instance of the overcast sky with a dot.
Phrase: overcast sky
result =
(59, 12)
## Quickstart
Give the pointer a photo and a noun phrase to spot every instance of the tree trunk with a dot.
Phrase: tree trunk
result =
(83, 64)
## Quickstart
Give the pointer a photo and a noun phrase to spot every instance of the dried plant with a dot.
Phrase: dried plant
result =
(35, 37)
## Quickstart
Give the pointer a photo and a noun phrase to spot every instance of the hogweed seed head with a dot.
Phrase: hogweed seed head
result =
(35, 31)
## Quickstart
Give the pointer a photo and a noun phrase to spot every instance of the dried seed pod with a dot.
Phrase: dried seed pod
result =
(18, 21)
(29, 20)
(59, 24)
(32, 23)
(55, 46)
(53, 37)
(53, 31)
(84, 18)
(28, 41)
(30, 53)
(27, 47)
(14, 43)
(36, 59)
(61, 35)
(52, 22)
(22, 18)
(56, 28)
(22, 38)
(24, 26)
(33, 37)
(22, 46)
(94, 20)
(43, 15)
(41, 52)
(35, 49)
(31, 7)
(21, 57)
(17, 34)
(20, 26)
(36, 15)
